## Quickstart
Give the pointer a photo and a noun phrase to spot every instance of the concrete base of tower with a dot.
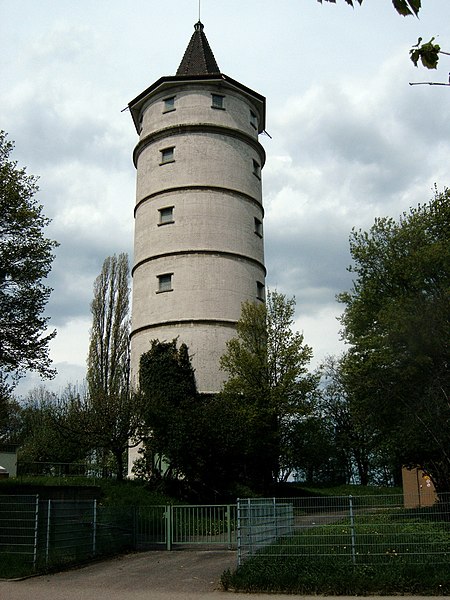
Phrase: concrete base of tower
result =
(206, 343)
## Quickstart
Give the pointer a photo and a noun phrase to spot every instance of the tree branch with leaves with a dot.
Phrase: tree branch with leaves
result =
(403, 7)
(26, 257)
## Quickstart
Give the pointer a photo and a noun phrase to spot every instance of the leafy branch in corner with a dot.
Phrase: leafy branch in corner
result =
(428, 54)
(403, 7)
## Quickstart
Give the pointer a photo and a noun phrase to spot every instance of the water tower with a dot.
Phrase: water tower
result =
(198, 249)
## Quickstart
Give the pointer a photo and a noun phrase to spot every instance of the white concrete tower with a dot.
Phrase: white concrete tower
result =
(198, 219)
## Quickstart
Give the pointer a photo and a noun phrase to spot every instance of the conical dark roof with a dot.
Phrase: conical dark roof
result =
(198, 58)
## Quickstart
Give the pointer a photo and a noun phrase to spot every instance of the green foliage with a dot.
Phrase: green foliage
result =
(25, 261)
(402, 552)
(347, 490)
(107, 416)
(297, 575)
(428, 54)
(403, 7)
(312, 452)
(108, 360)
(397, 323)
(40, 437)
(269, 382)
(357, 448)
(169, 398)
(193, 441)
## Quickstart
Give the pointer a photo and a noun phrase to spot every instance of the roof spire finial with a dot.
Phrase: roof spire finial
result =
(198, 58)
(199, 11)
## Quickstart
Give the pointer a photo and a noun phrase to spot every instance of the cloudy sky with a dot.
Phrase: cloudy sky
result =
(350, 139)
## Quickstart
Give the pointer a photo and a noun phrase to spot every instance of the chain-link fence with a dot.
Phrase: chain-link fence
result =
(357, 530)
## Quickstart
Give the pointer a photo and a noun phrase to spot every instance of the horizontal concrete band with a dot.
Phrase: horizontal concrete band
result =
(192, 322)
(201, 188)
(217, 253)
(209, 128)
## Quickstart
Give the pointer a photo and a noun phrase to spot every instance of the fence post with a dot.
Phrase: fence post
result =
(47, 549)
(94, 527)
(229, 526)
(36, 527)
(169, 517)
(239, 538)
(352, 529)
(275, 520)
(250, 520)
(135, 524)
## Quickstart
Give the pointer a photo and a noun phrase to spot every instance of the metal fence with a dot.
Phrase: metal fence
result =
(355, 530)
(351, 530)
(186, 525)
(262, 521)
(40, 532)
(45, 532)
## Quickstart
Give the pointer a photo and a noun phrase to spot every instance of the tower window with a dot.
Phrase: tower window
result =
(256, 169)
(165, 215)
(165, 282)
(217, 101)
(167, 155)
(253, 120)
(260, 291)
(169, 104)
(258, 227)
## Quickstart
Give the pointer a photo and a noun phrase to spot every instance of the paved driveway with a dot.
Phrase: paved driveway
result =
(150, 575)
(177, 575)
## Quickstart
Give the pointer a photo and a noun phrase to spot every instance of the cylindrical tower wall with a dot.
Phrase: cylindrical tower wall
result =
(198, 233)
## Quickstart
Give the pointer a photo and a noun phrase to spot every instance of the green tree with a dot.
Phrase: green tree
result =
(312, 453)
(25, 261)
(357, 443)
(106, 415)
(191, 439)
(41, 437)
(169, 393)
(397, 323)
(403, 7)
(268, 376)
(112, 407)
(108, 359)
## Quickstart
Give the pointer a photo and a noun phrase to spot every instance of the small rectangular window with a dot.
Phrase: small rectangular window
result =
(260, 292)
(217, 101)
(165, 282)
(257, 169)
(167, 155)
(258, 227)
(165, 215)
(253, 120)
(169, 104)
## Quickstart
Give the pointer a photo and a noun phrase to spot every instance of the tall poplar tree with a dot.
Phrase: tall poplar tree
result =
(111, 407)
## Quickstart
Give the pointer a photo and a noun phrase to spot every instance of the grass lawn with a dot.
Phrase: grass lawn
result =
(399, 552)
